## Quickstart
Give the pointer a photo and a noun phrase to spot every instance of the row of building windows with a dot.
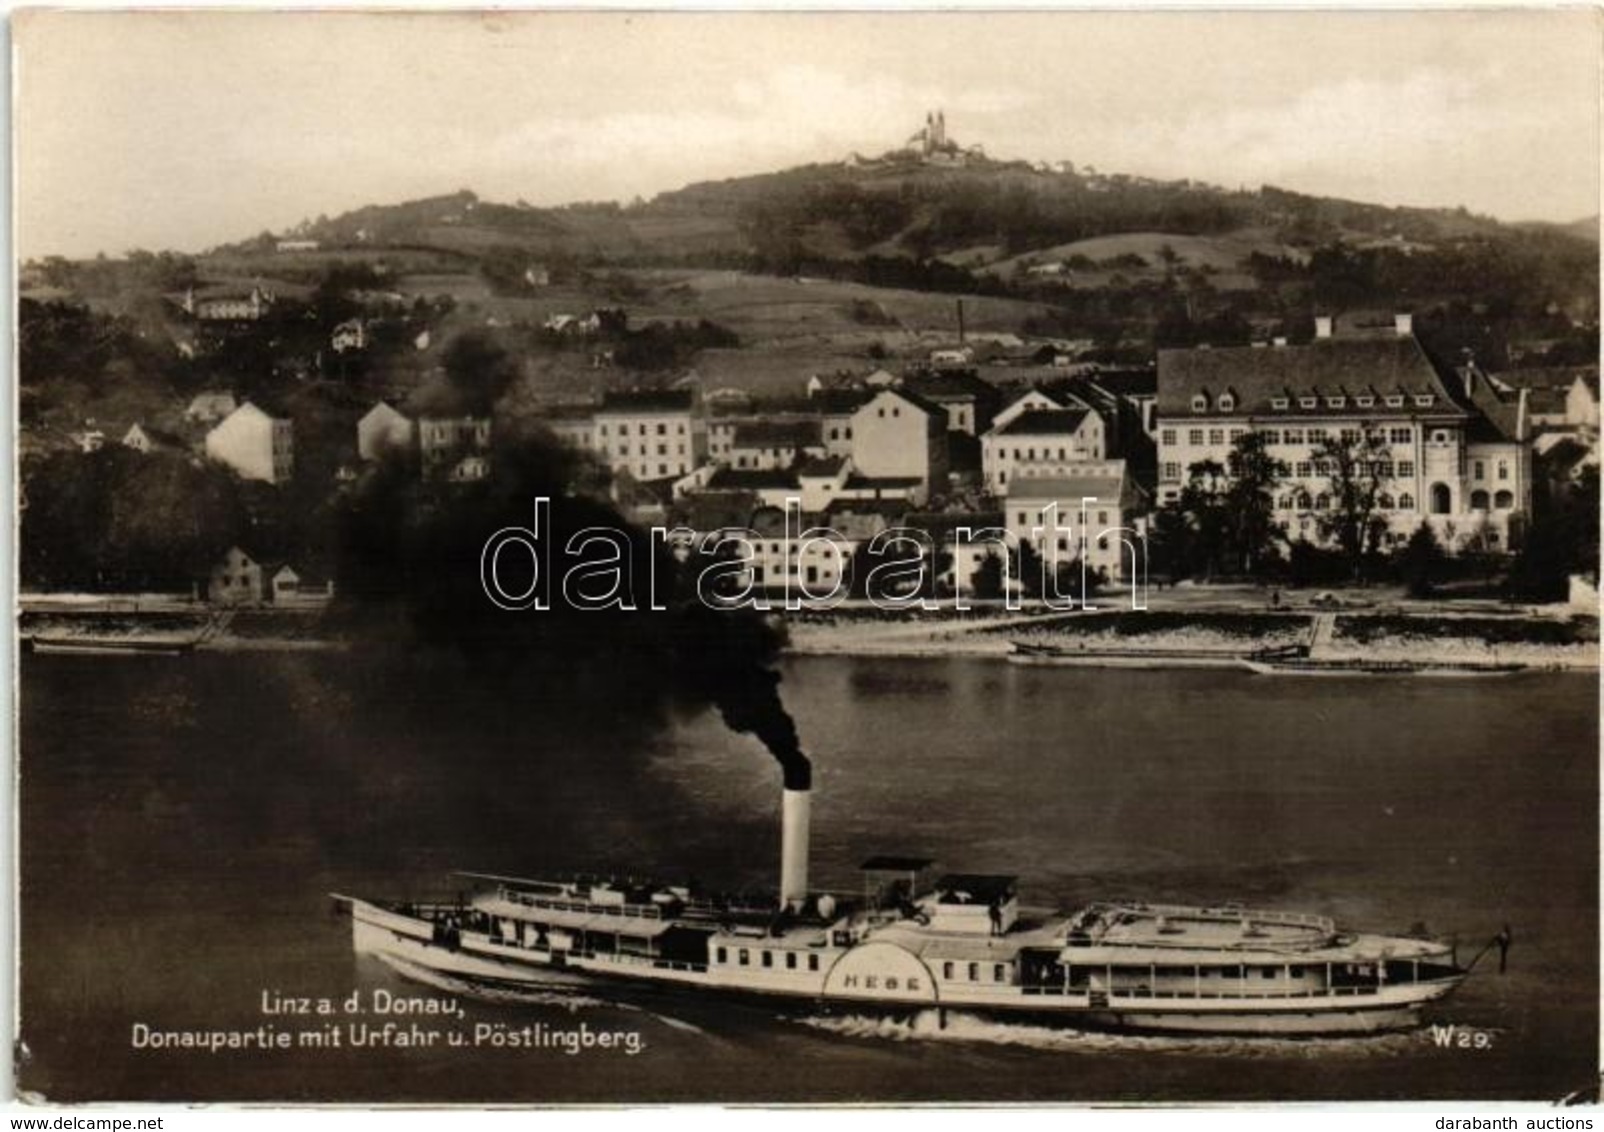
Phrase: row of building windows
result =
(1046, 453)
(1277, 436)
(766, 958)
(1303, 501)
(810, 575)
(1381, 469)
(662, 429)
(1024, 518)
(1479, 500)
(1441, 499)
(662, 450)
(1102, 543)
(1304, 469)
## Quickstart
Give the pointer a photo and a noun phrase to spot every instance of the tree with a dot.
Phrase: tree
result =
(1203, 505)
(1563, 539)
(1252, 477)
(988, 580)
(1041, 576)
(116, 519)
(1171, 543)
(1420, 560)
(1352, 460)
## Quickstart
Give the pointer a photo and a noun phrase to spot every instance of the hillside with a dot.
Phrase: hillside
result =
(858, 263)
(889, 208)
(1587, 228)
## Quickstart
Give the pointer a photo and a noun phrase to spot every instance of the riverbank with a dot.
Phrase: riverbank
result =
(1208, 637)
(1176, 637)
(157, 631)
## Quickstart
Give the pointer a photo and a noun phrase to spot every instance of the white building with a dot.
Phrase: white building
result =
(761, 444)
(349, 335)
(236, 580)
(1445, 462)
(651, 434)
(1036, 441)
(228, 303)
(243, 578)
(1089, 512)
(899, 435)
(254, 444)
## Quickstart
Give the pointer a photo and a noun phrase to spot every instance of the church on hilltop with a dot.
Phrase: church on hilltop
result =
(933, 138)
(930, 145)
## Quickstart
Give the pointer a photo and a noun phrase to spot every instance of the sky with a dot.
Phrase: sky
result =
(182, 130)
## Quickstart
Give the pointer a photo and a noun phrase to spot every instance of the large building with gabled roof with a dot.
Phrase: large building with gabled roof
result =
(1035, 441)
(1447, 461)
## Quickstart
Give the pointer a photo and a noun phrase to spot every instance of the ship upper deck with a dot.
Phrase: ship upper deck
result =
(1227, 928)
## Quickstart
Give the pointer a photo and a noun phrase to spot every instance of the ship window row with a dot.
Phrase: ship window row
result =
(972, 972)
(743, 958)
(1237, 972)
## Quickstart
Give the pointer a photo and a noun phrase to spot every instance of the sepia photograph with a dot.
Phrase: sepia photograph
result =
(806, 558)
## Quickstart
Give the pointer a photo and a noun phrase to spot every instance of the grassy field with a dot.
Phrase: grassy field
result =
(769, 309)
(310, 266)
(1222, 255)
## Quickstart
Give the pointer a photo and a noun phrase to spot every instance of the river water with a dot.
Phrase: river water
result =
(183, 821)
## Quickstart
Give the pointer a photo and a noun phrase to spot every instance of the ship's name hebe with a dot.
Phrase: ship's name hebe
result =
(909, 985)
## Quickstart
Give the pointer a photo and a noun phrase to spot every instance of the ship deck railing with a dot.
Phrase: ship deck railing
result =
(580, 904)
(1221, 912)
(693, 907)
(1126, 994)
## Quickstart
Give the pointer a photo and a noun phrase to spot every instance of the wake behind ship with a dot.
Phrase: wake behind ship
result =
(910, 943)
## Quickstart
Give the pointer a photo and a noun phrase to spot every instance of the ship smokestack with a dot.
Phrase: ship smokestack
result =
(795, 818)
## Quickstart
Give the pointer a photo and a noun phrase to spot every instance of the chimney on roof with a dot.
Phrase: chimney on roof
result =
(1467, 370)
(1322, 326)
(1404, 324)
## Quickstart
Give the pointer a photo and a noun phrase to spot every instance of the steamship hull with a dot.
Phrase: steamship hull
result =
(910, 944)
(898, 970)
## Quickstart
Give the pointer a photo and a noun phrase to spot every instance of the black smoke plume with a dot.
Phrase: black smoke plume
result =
(718, 649)
(408, 579)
